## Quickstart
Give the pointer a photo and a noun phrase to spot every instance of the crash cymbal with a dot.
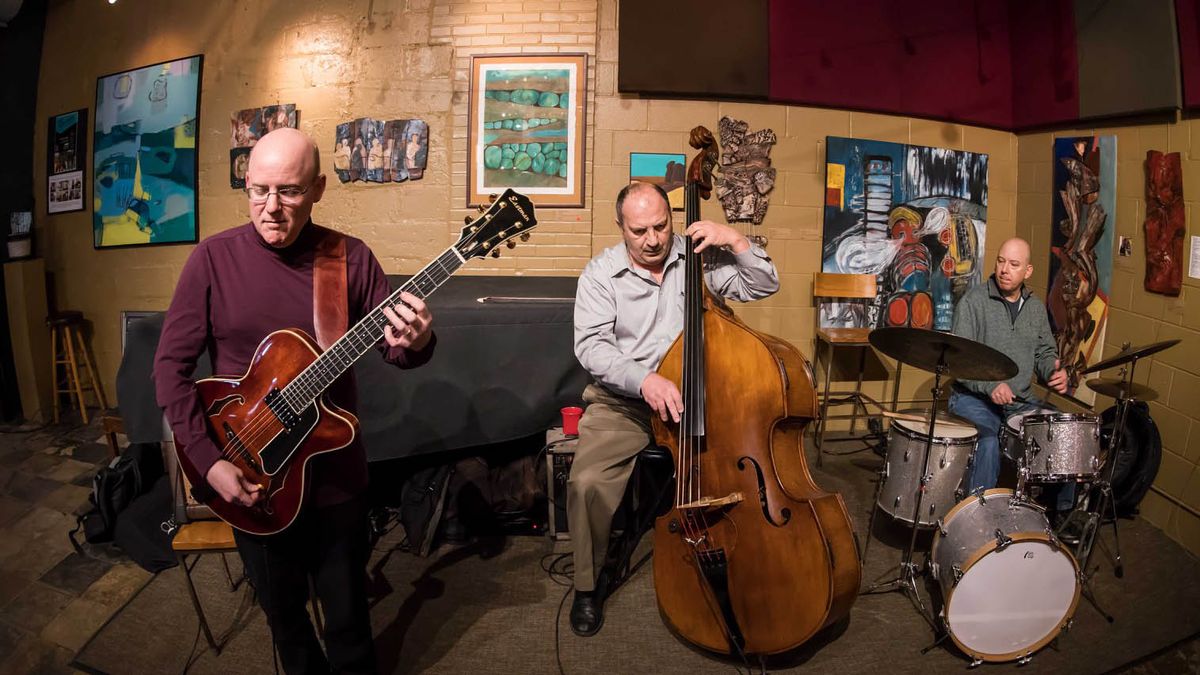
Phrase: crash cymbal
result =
(1114, 388)
(964, 359)
(1130, 353)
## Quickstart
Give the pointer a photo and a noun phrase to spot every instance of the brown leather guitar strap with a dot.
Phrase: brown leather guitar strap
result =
(330, 300)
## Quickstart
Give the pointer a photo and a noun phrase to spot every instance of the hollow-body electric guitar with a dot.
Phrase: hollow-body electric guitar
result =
(271, 421)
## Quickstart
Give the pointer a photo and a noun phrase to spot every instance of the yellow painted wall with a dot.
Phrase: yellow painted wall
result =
(337, 60)
(1136, 316)
(401, 58)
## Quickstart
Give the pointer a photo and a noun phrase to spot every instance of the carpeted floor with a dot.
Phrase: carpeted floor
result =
(490, 608)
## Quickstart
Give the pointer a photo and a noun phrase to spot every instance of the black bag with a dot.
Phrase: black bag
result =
(114, 487)
(145, 529)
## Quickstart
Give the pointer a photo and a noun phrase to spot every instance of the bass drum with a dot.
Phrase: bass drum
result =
(1008, 587)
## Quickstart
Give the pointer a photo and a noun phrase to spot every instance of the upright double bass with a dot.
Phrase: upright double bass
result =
(753, 557)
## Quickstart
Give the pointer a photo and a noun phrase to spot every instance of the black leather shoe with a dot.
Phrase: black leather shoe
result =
(587, 614)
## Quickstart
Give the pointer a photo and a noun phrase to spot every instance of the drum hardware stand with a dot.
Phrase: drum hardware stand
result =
(906, 571)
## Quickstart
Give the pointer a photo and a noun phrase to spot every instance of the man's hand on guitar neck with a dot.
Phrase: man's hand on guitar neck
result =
(231, 484)
(410, 322)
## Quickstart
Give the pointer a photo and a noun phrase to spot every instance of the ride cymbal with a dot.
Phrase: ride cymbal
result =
(925, 349)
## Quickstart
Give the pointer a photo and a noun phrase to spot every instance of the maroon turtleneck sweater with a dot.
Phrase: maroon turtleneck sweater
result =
(234, 290)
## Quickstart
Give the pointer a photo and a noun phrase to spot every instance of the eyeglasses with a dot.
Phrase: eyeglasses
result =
(288, 194)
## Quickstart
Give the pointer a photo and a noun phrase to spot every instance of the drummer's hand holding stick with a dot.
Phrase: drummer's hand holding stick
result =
(1002, 394)
(1058, 379)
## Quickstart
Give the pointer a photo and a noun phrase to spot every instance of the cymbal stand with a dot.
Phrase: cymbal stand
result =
(905, 580)
(1107, 505)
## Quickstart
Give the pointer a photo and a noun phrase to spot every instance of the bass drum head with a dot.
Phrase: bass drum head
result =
(1012, 602)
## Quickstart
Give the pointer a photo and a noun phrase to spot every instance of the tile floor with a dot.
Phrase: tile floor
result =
(53, 599)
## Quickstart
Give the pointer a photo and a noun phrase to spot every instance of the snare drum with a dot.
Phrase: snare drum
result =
(953, 444)
(1054, 447)
(1008, 586)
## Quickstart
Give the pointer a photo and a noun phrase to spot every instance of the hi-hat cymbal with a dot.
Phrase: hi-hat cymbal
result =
(1131, 353)
(1114, 388)
(925, 349)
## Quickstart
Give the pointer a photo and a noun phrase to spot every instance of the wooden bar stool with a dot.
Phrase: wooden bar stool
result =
(67, 348)
(852, 287)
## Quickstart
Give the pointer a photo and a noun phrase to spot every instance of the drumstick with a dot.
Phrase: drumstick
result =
(917, 418)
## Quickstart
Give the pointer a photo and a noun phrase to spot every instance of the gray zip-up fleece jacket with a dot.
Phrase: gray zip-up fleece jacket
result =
(981, 315)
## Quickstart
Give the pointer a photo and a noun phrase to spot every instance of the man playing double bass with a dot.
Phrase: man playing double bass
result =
(629, 308)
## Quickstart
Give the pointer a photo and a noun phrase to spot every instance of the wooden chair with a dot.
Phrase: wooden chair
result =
(112, 425)
(199, 533)
(852, 287)
(195, 539)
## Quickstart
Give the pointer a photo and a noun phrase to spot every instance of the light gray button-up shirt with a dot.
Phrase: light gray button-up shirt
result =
(625, 321)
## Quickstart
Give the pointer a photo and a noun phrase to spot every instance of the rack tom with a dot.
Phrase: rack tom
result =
(1054, 447)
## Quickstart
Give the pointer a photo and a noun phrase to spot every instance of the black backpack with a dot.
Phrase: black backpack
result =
(114, 487)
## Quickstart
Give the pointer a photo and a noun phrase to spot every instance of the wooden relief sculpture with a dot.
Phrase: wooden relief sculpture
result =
(1164, 223)
(1077, 279)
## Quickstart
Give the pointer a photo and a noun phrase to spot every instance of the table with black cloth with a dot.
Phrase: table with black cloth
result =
(501, 371)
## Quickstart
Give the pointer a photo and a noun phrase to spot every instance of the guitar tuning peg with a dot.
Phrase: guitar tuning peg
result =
(482, 208)
(492, 198)
(510, 243)
(467, 220)
(495, 253)
(525, 237)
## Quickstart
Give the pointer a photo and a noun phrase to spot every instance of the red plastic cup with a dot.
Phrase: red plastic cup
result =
(570, 417)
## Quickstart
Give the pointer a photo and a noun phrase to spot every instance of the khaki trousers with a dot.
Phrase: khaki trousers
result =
(612, 431)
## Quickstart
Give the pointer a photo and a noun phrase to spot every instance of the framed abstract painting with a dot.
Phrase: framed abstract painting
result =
(526, 127)
(144, 166)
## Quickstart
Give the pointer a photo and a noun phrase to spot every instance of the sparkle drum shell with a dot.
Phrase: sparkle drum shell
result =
(1008, 587)
(1054, 447)
(949, 456)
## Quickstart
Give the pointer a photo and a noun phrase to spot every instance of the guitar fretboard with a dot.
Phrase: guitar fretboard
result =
(333, 362)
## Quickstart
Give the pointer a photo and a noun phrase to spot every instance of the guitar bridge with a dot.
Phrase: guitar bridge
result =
(283, 412)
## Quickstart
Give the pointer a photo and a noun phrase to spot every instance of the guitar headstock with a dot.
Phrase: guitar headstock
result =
(509, 216)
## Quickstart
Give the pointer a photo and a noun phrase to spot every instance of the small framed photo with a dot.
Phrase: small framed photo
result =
(66, 152)
(526, 127)
(128, 318)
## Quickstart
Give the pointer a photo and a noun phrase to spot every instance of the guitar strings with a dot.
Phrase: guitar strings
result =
(266, 424)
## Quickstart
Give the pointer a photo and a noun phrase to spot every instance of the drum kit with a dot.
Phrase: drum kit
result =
(1009, 583)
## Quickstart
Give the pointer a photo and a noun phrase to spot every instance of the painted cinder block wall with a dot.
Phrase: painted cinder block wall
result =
(337, 60)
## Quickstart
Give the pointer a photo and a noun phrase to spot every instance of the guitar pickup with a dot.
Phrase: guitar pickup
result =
(283, 412)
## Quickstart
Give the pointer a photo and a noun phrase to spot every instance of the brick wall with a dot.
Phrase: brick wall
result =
(401, 58)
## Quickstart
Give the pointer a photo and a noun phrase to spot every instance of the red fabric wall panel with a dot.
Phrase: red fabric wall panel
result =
(943, 59)
(1044, 66)
(1187, 21)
